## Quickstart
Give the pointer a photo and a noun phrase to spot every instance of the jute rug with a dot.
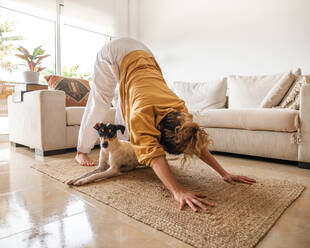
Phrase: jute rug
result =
(242, 216)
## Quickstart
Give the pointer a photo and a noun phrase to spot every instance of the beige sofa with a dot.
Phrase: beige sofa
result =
(42, 122)
(244, 127)
(280, 134)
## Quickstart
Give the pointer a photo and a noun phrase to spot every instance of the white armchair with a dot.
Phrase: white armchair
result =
(43, 122)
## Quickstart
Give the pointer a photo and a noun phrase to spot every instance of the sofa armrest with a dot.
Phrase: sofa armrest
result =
(39, 121)
(304, 146)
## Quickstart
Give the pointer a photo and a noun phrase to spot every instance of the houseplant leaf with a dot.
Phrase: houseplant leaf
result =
(23, 50)
(38, 51)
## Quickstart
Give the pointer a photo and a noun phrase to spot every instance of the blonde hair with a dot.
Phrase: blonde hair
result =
(179, 134)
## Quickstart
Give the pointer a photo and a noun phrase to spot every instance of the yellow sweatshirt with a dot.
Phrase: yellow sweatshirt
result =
(145, 100)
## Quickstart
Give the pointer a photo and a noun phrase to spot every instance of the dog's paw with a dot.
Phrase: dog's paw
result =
(71, 181)
(79, 182)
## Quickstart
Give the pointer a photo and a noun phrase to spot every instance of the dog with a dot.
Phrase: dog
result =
(115, 156)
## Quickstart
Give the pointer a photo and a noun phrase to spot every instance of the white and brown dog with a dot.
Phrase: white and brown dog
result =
(115, 156)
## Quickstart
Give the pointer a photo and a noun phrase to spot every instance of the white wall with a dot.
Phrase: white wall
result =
(205, 39)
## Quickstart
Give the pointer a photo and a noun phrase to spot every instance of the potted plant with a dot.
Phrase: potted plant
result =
(33, 62)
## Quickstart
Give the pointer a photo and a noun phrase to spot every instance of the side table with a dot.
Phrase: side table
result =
(22, 88)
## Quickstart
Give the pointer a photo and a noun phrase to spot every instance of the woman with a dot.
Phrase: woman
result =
(157, 120)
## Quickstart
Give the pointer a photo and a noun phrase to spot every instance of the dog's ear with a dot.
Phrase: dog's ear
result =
(98, 125)
(120, 127)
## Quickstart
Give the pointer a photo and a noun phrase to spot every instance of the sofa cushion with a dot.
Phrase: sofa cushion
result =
(199, 97)
(76, 89)
(74, 115)
(249, 91)
(282, 120)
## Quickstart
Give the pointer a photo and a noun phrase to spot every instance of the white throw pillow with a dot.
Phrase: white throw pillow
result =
(201, 96)
(249, 91)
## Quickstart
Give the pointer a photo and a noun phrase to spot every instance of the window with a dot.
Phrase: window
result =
(34, 31)
(79, 50)
(35, 21)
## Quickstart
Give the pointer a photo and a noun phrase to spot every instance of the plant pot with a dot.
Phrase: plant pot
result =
(31, 77)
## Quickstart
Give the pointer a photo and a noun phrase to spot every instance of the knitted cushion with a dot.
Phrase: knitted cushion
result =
(77, 90)
(292, 98)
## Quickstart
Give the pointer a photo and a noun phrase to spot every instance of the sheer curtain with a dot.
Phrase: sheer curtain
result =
(41, 8)
(87, 27)
(102, 16)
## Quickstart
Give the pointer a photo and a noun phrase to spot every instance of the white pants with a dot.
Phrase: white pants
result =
(119, 120)
(105, 79)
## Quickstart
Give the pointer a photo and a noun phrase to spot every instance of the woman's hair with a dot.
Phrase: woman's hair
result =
(179, 134)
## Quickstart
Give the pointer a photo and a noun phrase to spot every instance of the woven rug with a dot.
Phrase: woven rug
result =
(242, 216)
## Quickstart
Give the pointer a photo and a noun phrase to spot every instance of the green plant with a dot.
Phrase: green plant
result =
(71, 72)
(33, 61)
(6, 45)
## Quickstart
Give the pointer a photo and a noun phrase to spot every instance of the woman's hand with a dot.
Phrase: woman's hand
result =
(192, 199)
(232, 179)
(162, 170)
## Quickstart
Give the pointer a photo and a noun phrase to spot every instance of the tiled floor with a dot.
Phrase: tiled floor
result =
(36, 211)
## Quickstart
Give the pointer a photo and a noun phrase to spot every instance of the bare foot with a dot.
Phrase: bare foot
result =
(84, 160)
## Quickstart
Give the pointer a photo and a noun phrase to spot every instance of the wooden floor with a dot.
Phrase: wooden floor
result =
(36, 211)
